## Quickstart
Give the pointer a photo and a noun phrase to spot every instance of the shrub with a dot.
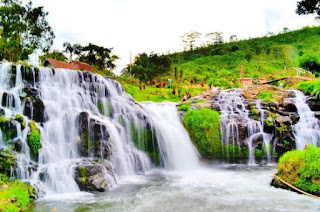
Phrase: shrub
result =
(204, 129)
(301, 168)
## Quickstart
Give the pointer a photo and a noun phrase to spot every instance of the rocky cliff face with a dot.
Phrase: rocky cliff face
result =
(252, 123)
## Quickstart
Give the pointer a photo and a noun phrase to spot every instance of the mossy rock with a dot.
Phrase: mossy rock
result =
(301, 168)
(7, 162)
(34, 139)
(204, 129)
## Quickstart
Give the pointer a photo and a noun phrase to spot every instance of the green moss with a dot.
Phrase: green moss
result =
(7, 162)
(266, 96)
(269, 120)
(302, 169)
(9, 131)
(235, 151)
(144, 139)
(14, 196)
(101, 108)
(204, 129)
(34, 139)
(184, 106)
(255, 112)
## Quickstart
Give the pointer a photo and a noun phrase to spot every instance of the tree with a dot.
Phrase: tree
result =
(305, 7)
(147, 67)
(233, 38)
(23, 30)
(311, 63)
(55, 54)
(216, 37)
(190, 38)
(72, 49)
(285, 30)
(98, 56)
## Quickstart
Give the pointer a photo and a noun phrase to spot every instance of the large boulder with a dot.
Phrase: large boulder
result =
(91, 176)
(252, 92)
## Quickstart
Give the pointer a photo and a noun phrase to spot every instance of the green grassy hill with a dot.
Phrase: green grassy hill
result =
(269, 57)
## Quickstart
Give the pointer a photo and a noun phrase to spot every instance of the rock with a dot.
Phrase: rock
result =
(17, 144)
(295, 118)
(283, 120)
(289, 106)
(313, 103)
(90, 176)
(34, 108)
(252, 92)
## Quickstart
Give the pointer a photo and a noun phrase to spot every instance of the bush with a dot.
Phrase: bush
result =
(301, 168)
(204, 129)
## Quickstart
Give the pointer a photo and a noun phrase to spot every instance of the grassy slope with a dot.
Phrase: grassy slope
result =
(261, 57)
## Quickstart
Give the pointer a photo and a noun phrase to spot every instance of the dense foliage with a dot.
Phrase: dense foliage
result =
(55, 54)
(147, 67)
(23, 29)
(14, 196)
(311, 88)
(301, 168)
(204, 129)
(270, 57)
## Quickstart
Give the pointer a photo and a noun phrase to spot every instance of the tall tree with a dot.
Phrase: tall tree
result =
(215, 37)
(233, 38)
(23, 30)
(98, 56)
(72, 49)
(190, 38)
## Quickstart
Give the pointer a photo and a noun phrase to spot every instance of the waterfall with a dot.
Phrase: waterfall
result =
(307, 130)
(233, 114)
(86, 118)
(176, 148)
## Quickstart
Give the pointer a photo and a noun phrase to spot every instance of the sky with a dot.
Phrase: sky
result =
(138, 26)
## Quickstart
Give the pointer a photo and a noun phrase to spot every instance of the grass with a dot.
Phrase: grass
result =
(301, 168)
(15, 196)
(204, 129)
(154, 94)
(311, 88)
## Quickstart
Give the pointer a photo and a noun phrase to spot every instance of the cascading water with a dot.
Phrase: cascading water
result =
(177, 151)
(307, 130)
(86, 118)
(234, 112)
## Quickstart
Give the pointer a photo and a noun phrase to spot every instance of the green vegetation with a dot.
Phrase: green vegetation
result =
(23, 29)
(34, 139)
(311, 88)
(235, 151)
(144, 139)
(9, 131)
(14, 196)
(266, 96)
(185, 106)
(204, 129)
(269, 57)
(152, 93)
(301, 168)
(7, 161)
(83, 174)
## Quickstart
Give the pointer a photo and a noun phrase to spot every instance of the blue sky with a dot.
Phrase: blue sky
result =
(156, 25)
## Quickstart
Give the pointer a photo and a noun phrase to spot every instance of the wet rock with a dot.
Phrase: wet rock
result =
(313, 103)
(34, 108)
(17, 144)
(295, 118)
(283, 120)
(90, 176)
(289, 106)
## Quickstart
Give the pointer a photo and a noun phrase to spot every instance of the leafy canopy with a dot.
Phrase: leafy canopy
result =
(23, 29)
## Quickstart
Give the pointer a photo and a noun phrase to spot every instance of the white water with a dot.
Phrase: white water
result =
(176, 148)
(307, 130)
(233, 110)
(65, 95)
(219, 188)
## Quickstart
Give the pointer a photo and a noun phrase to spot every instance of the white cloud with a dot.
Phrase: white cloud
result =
(156, 25)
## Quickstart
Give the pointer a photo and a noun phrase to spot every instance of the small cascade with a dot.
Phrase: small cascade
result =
(176, 148)
(307, 130)
(235, 115)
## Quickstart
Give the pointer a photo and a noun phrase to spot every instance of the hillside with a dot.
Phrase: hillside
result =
(269, 57)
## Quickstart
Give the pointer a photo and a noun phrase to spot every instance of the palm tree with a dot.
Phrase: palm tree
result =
(72, 49)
